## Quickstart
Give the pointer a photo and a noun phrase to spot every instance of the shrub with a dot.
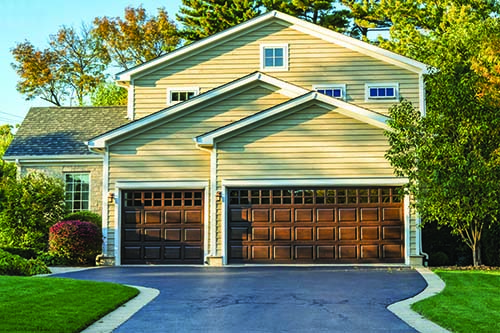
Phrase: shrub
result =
(54, 259)
(12, 264)
(26, 253)
(79, 242)
(438, 259)
(85, 216)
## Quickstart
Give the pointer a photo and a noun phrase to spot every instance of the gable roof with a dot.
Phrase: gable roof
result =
(297, 24)
(61, 131)
(349, 110)
(286, 89)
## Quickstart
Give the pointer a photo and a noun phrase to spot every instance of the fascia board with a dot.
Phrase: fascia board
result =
(290, 89)
(53, 158)
(349, 110)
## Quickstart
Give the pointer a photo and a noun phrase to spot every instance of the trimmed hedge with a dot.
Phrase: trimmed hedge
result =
(12, 264)
(85, 216)
(76, 241)
(26, 253)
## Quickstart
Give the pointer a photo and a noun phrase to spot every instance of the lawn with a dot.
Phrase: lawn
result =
(470, 302)
(36, 304)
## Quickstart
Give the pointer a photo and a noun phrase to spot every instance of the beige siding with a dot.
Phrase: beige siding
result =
(314, 142)
(168, 152)
(312, 61)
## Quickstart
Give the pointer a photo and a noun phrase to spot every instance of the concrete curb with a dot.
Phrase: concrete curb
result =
(403, 309)
(114, 319)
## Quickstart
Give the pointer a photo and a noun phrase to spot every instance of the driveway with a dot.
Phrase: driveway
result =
(265, 299)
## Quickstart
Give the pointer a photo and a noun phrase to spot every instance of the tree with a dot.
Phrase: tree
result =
(138, 37)
(451, 156)
(32, 204)
(108, 94)
(203, 18)
(6, 137)
(72, 65)
(366, 15)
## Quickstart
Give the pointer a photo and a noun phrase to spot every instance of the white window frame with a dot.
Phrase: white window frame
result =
(382, 99)
(265, 68)
(70, 203)
(342, 88)
(195, 90)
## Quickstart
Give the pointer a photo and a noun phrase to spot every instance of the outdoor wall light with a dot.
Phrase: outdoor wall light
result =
(111, 197)
(218, 195)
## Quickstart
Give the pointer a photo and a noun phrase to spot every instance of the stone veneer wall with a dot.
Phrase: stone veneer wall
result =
(58, 170)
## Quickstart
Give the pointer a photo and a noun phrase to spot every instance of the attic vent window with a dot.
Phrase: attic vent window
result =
(178, 95)
(335, 91)
(382, 91)
(274, 57)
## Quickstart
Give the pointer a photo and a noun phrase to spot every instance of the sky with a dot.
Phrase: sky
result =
(35, 20)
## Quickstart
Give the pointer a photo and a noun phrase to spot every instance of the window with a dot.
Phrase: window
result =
(77, 191)
(382, 91)
(178, 95)
(336, 90)
(274, 57)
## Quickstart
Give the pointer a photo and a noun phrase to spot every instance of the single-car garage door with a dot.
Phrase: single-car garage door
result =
(162, 227)
(315, 225)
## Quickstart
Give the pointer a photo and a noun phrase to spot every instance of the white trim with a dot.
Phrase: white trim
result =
(101, 141)
(213, 201)
(206, 227)
(54, 158)
(131, 100)
(271, 182)
(342, 87)
(170, 90)
(105, 205)
(421, 95)
(297, 24)
(224, 209)
(407, 224)
(265, 68)
(349, 110)
(122, 185)
(394, 85)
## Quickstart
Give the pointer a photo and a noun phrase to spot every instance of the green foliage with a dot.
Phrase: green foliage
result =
(79, 242)
(109, 94)
(25, 253)
(85, 216)
(54, 259)
(6, 137)
(31, 205)
(12, 264)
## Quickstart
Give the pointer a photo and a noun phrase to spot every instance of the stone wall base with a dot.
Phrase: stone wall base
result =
(417, 261)
(102, 260)
(215, 261)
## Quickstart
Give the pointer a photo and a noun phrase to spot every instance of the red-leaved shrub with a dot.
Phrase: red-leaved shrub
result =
(77, 241)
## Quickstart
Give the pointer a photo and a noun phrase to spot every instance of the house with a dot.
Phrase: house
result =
(261, 144)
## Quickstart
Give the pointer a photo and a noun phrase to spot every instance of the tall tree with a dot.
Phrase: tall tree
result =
(108, 94)
(71, 67)
(138, 37)
(203, 18)
(366, 15)
(6, 137)
(452, 155)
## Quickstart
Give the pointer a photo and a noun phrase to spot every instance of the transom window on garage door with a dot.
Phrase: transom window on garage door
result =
(163, 198)
(314, 196)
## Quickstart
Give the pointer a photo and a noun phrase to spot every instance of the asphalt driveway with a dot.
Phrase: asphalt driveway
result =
(265, 299)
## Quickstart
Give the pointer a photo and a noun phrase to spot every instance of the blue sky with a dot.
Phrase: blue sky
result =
(35, 20)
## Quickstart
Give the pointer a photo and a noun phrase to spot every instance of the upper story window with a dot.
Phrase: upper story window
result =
(382, 91)
(181, 94)
(77, 191)
(335, 90)
(274, 57)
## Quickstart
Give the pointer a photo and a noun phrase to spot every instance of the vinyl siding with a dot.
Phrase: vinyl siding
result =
(312, 61)
(313, 142)
(167, 152)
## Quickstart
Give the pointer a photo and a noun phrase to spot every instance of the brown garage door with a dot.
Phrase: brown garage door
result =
(162, 227)
(315, 225)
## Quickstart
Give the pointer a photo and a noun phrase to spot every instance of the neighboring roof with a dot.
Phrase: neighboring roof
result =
(349, 110)
(297, 24)
(56, 131)
(286, 89)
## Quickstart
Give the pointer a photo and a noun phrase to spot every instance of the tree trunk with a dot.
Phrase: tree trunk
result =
(476, 254)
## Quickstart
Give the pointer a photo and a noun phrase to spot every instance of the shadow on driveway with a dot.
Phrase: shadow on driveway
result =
(265, 299)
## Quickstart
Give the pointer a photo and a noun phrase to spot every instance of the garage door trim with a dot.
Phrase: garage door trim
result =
(327, 182)
(159, 185)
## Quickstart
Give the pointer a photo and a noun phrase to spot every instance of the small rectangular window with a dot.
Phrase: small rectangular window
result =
(178, 95)
(77, 191)
(274, 57)
(382, 91)
(335, 91)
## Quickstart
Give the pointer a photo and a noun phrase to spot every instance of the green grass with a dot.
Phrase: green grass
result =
(470, 302)
(36, 304)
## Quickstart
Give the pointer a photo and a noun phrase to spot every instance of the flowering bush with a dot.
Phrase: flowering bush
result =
(78, 242)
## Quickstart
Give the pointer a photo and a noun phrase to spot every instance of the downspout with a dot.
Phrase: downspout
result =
(419, 241)
(19, 168)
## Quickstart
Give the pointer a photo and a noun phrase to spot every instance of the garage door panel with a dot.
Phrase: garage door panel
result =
(162, 227)
(308, 225)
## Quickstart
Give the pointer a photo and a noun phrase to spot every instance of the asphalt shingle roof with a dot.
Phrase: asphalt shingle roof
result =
(63, 130)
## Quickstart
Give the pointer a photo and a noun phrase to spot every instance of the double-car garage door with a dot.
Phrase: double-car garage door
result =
(267, 225)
